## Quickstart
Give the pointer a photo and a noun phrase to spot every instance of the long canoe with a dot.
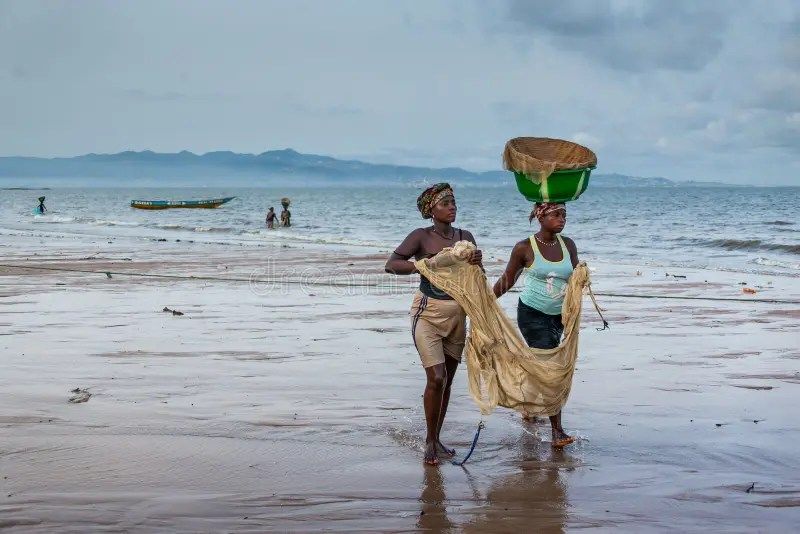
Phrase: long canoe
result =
(165, 204)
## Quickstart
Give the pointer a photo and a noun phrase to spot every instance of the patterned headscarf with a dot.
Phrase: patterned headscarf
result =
(545, 208)
(428, 199)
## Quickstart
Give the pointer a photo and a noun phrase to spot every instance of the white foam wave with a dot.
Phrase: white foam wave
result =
(775, 263)
(214, 229)
(52, 219)
(101, 222)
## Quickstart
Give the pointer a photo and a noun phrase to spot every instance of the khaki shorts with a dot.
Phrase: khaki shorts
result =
(439, 328)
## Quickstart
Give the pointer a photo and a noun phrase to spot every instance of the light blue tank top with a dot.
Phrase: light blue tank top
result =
(546, 281)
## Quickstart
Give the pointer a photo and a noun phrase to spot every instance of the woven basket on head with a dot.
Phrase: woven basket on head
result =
(285, 202)
(538, 157)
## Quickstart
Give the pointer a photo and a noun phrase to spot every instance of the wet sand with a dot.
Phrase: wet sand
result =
(293, 403)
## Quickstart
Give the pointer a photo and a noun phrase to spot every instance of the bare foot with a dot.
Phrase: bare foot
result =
(431, 455)
(441, 449)
(561, 438)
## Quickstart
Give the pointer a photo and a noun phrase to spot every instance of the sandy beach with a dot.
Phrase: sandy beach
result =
(293, 402)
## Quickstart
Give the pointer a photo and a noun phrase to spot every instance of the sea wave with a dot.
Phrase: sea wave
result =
(748, 244)
(775, 263)
(780, 223)
(215, 229)
(102, 222)
(52, 219)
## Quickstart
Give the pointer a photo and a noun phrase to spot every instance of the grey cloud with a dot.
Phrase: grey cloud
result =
(18, 71)
(782, 96)
(633, 36)
(671, 88)
(170, 96)
(339, 110)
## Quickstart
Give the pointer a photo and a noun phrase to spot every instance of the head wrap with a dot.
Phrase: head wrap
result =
(545, 208)
(428, 199)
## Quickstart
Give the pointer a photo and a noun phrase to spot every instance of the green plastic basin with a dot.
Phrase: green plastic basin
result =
(561, 186)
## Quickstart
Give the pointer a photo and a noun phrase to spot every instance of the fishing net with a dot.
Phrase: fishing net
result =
(503, 370)
(539, 157)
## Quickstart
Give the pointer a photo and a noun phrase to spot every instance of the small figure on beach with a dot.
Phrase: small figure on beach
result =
(438, 323)
(271, 218)
(286, 215)
(41, 208)
(548, 259)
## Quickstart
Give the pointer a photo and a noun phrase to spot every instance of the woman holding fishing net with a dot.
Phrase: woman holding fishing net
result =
(548, 259)
(551, 172)
(438, 323)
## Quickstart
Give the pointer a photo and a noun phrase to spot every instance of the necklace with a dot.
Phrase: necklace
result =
(452, 234)
(545, 243)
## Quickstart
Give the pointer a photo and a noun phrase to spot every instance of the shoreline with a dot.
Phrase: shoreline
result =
(297, 407)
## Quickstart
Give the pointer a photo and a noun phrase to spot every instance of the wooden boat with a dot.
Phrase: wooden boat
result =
(165, 204)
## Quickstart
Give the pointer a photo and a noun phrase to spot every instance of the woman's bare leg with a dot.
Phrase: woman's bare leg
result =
(432, 401)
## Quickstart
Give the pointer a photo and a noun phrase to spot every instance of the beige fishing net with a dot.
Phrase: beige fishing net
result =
(503, 370)
(539, 157)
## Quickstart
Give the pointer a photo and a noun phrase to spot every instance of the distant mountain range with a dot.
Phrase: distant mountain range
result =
(268, 168)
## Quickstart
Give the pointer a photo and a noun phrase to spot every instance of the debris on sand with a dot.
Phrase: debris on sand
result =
(79, 395)
(173, 312)
(749, 290)
(675, 275)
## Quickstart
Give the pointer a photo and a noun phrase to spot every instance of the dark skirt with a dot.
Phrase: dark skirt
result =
(540, 330)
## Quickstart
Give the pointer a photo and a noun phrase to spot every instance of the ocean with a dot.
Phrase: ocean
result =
(749, 230)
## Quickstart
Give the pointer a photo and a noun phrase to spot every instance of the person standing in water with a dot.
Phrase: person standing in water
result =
(41, 207)
(286, 217)
(271, 218)
(438, 323)
(549, 259)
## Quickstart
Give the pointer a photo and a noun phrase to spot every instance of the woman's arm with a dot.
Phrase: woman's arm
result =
(398, 262)
(573, 250)
(477, 255)
(514, 268)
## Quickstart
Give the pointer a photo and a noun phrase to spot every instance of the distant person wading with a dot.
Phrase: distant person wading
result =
(270, 219)
(438, 323)
(286, 215)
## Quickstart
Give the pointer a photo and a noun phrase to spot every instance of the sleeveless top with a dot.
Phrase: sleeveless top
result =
(430, 290)
(546, 281)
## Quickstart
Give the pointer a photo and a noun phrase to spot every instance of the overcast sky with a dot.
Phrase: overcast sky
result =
(705, 90)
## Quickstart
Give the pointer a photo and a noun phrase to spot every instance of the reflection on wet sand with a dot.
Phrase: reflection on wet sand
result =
(532, 499)
(433, 513)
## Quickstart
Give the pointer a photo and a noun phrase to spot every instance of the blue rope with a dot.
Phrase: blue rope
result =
(474, 442)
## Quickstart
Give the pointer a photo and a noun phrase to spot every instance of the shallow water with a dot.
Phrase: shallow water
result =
(742, 229)
(299, 409)
(296, 405)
